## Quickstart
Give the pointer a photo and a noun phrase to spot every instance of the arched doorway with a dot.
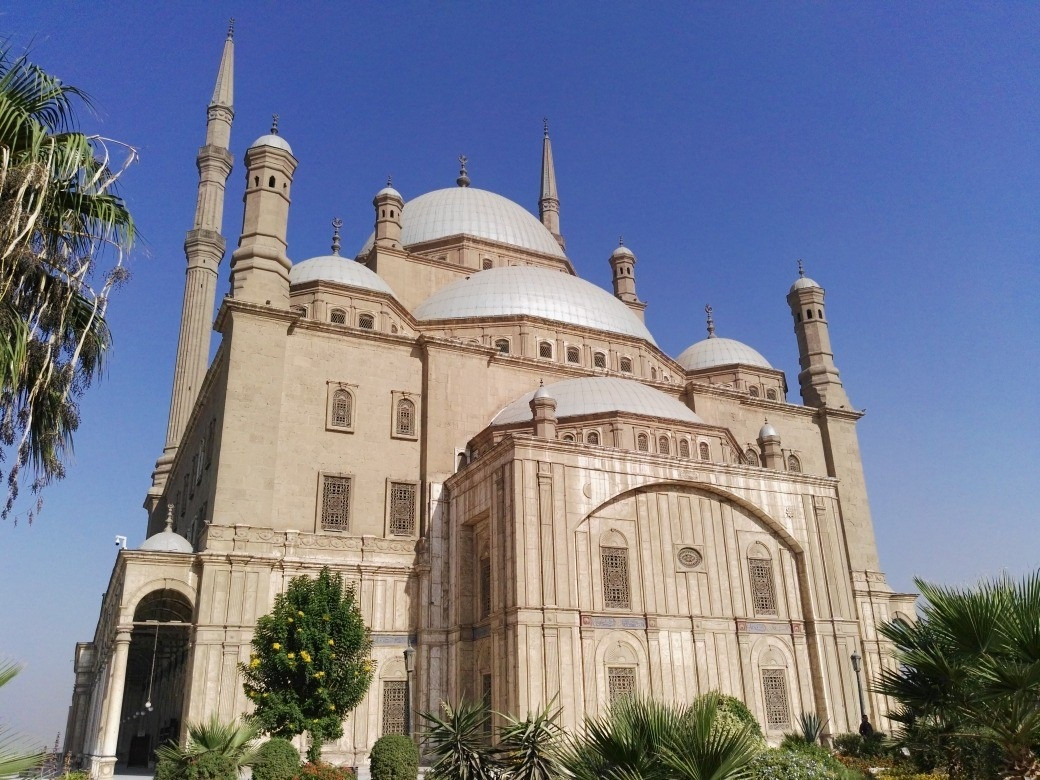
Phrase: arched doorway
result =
(156, 676)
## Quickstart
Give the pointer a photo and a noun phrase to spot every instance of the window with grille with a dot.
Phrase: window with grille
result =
(753, 391)
(300, 310)
(621, 682)
(614, 565)
(763, 592)
(342, 409)
(684, 448)
(402, 508)
(544, 349)
(405, 425)
(662, 445)
(771, 394)
(774, 694)
(793, 464)
(599, 360)
(366, 321)
(592, 437)
(187, 493)
(335, 503)
(643, 442)
(626, 365)
(573, 355)
(486, 264)
(751, 456)
(502, 345)
(338, 316)
(703, 452)
(485, 587)
(395, 694)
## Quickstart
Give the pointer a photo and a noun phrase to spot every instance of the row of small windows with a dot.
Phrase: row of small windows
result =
(546, 350)
(793, 462)
(664, 446)
(809, 315)
(341, 413)
(592, 437)
(336, 495)
(771, 393)
(365, 321)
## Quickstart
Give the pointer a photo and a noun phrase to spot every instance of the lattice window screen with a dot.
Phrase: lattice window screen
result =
(621, 682)
(662, 445)
(614, 564)
(752, 457)
(545, 349)
(642, 443)
(763, 591)
(793, 464)
(592, 437)
(485, 587)
(703, 451)
(335, 504)
(684, 448)
(366, 321)
(402, 508)
(573, 355)
(774, 693)
(394, 706)
(338, 316)
(626, 365)
(599, 360)
(405, 417)
(502, 345)
(342, 409)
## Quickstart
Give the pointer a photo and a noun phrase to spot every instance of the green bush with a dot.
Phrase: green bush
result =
(276, 759)
(730, 705)
(394, 757)
(853, 744)
(794, 765)
(323, 771)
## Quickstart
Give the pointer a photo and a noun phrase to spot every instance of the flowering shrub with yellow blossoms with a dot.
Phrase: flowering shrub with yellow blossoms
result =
(310, 663)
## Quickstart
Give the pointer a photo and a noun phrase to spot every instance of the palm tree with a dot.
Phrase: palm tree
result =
(649, 740)
(529, 748)
(970, 668)
(459, 743)
(213, 750)
(14, 758)
(58, 216)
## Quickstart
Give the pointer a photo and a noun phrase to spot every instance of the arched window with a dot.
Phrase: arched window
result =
(653, 373)
(568, 437)
(545, 350)
(338, 316)
(599, 360)
(819, 313)
(342, 409)
(592, 437)
(808, 314)
(486, 263)
(405, 417)
(393, 329)
(774, 695)
(300, 310)
(643, 443)
(763, 589)
(793, 464)
(771, 394)
(502, 345)
(366, 321)
(662, 445)
(573, 355)
(753, 391)
(270, 182)
(703, 451)
(462, 462)
(625, 365)
(614, 568)
(751, 457)
(684, 448)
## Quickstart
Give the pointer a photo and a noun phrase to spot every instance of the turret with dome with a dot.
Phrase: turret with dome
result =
(534, 501)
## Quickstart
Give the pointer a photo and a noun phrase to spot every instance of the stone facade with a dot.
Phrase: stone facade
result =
(578, 555)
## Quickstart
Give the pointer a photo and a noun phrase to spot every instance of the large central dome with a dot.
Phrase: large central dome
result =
(472, 212)
(536, 292)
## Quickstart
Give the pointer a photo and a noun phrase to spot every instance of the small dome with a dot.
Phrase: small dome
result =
(767, 431)
(537, 292)
(597, 395)
(541, 392)
(166, 541)
(802, 282)
(713, 352)
(472, 212)
(622, 251)
(272, 140)
(389, 191)
(333, 268)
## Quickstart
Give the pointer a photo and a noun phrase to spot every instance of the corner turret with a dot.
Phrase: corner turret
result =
(389, 204)
(623, 271)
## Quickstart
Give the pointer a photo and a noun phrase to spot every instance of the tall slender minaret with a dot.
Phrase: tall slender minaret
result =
(548, 200)
(204, 249)
(818, 378)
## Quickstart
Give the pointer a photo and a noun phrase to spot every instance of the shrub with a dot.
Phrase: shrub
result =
(324, 771)
(730, 705)
(276, 759)
(853, 744)
(394, 757)
(792, 765)
(815, 752)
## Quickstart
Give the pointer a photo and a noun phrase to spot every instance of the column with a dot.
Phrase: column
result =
(105, 764)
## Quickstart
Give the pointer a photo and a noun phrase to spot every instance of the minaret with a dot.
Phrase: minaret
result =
(389, 204)
(204, 249)
(548, 200)
(260, 266)
(623, 268)
(818, 378)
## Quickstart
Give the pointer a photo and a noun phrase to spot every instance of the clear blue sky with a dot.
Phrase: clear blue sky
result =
(893, 146)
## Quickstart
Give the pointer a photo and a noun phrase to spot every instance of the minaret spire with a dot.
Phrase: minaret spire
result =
(548, 200)
(204, 249)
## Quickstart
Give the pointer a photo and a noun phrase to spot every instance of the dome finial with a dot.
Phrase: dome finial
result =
(231, 29)
(545, 126)
(711, 322)
(801, 270)
(169, 517)
(463, 180)
(389, 180)
(337, 223)
(620, 240)
(274, 124)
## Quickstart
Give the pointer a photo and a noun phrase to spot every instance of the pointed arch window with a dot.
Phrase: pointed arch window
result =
(751, 457)
(794, 464)
(643, 443)
(703, 451)
(404, 417)
(338, 316)
(684, 448)
(339, 414)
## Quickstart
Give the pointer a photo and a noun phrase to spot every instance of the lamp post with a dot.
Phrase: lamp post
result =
(864, 726)
(409, 667)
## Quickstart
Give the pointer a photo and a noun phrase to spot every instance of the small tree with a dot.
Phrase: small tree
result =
(310, 663)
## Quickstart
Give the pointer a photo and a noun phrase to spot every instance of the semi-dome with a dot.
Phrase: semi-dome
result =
(714, 351)
(167, 540)
(272, 139)
(537, 292)
(333, 268)
(598, 395)
(473, 212)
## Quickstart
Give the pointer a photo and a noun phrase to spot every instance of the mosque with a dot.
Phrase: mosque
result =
(534, 502)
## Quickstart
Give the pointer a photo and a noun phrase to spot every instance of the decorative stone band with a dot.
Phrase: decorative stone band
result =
(600, 621)
(394, 640)
(760, 627)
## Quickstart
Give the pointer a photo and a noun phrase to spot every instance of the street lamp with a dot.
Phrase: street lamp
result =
(864, 726)
(409, 667)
